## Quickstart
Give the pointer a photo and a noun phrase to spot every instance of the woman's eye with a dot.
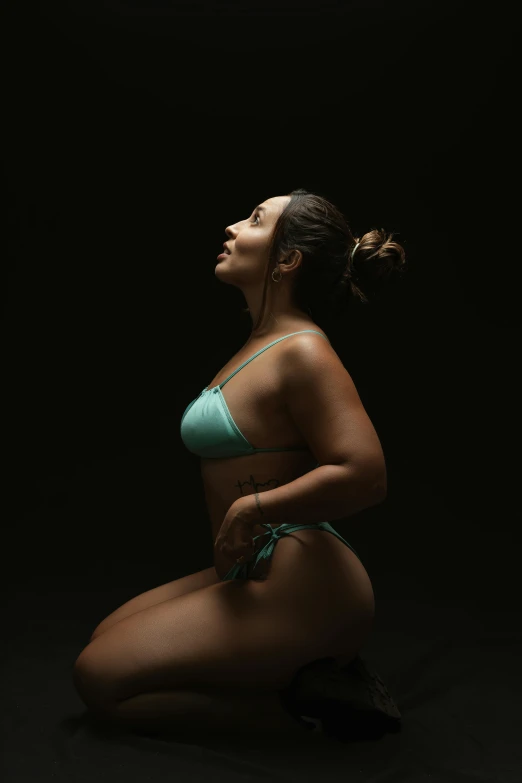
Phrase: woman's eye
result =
(256, 218)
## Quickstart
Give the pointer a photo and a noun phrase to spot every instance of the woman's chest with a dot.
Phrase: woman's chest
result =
(255, 402)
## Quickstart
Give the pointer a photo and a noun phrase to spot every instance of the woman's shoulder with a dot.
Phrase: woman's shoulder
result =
(309, 334)
(315, 344)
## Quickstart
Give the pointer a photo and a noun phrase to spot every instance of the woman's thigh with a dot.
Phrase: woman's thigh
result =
(187, 584)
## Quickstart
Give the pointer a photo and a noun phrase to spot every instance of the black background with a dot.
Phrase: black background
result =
(134, 134)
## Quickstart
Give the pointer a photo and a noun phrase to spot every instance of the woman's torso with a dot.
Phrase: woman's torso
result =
(253, 397)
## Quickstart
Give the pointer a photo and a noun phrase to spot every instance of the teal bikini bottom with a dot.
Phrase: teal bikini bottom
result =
(243, 570)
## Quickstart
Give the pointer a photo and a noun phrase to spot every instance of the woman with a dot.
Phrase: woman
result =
(285, 445)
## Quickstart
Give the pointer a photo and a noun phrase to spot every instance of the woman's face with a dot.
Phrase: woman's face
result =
(248, 242)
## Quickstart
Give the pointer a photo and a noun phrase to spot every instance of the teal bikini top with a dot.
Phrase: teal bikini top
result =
(208, 429)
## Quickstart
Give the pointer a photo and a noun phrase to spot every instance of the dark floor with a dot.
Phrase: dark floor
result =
(452, 669)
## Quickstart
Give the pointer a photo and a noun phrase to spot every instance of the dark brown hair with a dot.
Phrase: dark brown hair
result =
(328, 278)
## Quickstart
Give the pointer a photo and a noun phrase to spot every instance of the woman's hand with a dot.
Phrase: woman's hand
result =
(235, 538)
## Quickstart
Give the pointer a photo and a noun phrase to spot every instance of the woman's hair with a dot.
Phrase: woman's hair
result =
(328, 278)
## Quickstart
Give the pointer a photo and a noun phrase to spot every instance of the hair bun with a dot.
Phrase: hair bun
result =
(377, 261)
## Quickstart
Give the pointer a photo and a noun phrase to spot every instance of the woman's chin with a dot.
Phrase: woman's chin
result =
(223, 271)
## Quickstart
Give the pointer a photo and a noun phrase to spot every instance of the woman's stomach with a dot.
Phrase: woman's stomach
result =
(226, 480)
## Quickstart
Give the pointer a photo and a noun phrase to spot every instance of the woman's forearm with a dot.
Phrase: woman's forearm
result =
(326, 493)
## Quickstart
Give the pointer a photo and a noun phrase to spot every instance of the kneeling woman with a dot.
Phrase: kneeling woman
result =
(286, 446)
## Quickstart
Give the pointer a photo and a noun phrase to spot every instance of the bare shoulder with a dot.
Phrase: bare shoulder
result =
(308, 345)
(311, 371)
(321, 399)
